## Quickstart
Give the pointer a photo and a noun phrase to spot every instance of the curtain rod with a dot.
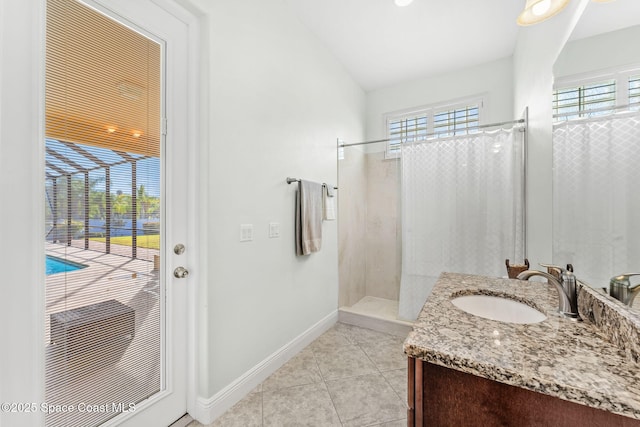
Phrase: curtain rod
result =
(433, 134)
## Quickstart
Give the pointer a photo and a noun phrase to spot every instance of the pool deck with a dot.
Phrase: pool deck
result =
(108, 276)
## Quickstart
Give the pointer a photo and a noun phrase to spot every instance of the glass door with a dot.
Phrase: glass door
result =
(108, 293)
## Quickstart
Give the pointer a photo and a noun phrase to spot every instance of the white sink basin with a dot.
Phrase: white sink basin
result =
(498, 308)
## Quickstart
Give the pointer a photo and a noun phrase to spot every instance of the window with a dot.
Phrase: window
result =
(407, 128)
(457, 121)
(431, 122)
(585, 100)
(596, 94)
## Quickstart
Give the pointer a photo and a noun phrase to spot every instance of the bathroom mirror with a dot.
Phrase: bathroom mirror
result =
(598, 68)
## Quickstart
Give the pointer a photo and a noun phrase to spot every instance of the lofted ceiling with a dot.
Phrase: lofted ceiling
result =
(381, 44)
(601, 18)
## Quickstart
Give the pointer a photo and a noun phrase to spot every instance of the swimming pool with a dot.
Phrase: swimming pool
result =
(57, 265)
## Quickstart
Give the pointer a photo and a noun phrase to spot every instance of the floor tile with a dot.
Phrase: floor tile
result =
(366, 400)
(358, 335)
(398, 380)
(246, 413)
(307, 405)
(300, 370)
(386, 355)
(349, 376)
(330, 340)
(344, 362)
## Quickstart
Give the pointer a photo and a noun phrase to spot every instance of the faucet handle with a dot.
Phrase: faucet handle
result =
(623, 278)
(620, 288)
(555, 270)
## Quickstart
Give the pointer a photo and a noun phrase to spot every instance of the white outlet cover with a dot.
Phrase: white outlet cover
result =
(274, 229)
(246, 232)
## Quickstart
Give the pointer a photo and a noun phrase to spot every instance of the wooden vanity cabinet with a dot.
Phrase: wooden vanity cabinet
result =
(439, 396)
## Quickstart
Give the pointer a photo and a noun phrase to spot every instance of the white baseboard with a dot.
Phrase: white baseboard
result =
(208, 409)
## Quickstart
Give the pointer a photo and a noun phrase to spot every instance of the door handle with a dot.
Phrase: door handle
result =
(180, 273)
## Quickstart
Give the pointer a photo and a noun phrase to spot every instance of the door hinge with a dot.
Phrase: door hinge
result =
(164, 125)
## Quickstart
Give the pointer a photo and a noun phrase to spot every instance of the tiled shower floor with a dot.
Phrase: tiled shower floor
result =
(349, 376)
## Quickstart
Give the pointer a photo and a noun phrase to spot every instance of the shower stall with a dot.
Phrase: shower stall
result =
(369, 232)
(412, 208)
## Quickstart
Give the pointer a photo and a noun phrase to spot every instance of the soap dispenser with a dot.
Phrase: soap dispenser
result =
(620, 288)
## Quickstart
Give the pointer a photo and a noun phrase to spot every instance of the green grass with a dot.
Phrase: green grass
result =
(149, 242)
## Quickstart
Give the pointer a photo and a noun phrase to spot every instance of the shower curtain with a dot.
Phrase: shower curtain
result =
(596, 201)
(462, 210)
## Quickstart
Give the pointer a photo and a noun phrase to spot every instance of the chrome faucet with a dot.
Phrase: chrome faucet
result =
(565, 282)
(620, 288)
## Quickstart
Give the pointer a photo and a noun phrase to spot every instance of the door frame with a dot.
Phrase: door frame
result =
(22, 77)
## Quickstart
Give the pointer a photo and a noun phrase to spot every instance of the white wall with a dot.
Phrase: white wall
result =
(604, 51)
(537, 49)
(493, 79)
(277, 102)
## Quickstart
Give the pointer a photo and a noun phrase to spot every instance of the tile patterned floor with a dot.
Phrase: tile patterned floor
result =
(349, 376)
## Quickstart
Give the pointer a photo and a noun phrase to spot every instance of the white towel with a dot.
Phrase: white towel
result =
(329, 203)
(308, 217)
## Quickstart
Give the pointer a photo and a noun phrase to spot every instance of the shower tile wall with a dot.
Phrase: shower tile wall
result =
(369, 233)
(383, 227)
(352, 203)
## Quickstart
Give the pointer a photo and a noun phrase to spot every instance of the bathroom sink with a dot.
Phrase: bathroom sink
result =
(498, 308)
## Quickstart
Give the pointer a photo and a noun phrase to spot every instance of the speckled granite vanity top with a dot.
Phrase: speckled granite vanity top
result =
(557, 357)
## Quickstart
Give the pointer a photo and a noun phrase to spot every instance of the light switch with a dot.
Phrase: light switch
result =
(274, 229)
(246, 232)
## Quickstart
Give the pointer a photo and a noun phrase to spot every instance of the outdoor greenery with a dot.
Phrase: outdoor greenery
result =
(149, 242)
(148, 207)
(121, 203)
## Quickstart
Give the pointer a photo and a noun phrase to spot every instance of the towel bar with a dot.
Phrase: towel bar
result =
(292, 180)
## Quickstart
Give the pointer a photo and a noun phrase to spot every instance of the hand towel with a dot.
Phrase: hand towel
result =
(329, 203)
(308, 217)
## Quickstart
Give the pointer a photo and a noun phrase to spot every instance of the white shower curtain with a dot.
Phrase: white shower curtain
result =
(596, 196)
(462, 210)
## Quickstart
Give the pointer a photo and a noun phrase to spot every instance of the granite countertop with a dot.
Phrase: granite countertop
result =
(558, 357)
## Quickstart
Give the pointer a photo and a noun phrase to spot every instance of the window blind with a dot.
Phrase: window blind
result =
(634, 91)
(103, 309)
(410, 128)
(432, 122)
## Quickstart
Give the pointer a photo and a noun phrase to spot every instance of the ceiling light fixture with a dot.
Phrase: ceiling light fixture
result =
(536, 11)
(403, 3)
